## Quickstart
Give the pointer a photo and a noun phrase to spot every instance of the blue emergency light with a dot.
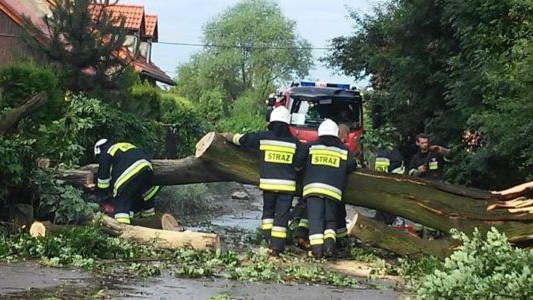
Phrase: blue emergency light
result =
(324, 84)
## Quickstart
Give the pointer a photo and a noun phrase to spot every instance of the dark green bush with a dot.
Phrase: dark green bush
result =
(22, 80)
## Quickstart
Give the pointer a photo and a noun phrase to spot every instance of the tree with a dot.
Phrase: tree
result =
(250, 46)
(85, 43)
(444, 67)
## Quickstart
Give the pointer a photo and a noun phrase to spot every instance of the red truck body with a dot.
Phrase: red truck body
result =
(310, 103)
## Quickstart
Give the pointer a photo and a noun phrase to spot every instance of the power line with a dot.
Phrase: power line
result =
(222, 46)
(243, 47)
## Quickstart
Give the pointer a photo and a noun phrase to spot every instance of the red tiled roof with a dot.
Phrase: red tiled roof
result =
(151, 26)
(133, 14)
(16, 10)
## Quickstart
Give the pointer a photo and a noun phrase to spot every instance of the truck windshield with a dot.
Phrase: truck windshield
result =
(310, 113)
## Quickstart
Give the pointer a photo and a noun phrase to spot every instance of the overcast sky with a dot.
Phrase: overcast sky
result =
(181, 21)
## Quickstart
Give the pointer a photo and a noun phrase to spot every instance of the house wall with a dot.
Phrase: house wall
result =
(10, 45)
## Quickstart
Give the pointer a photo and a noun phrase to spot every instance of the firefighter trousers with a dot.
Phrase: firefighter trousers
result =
(275, 219)
(302, 230)
(323, 215)
(137, 196)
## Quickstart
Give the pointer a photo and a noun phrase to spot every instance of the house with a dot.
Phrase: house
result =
(142, 33)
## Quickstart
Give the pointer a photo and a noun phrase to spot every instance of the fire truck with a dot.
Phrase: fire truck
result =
(311, 102)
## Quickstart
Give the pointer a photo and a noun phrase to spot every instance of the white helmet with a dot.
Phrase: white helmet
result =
(328, 127)
(280, 114)
(98, 145)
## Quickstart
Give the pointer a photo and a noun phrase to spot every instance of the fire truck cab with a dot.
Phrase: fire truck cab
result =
(311, 102)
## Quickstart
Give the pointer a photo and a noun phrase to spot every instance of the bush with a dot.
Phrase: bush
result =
(144, 102)
(481, 269)
(22, 80)
(189, 125)
(247, 114)
(210, 105)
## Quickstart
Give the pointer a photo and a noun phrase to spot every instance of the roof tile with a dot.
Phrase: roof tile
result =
(133, 14)
(151, 26)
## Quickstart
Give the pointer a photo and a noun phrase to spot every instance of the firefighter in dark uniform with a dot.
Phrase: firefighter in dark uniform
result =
(389, 161)
(327, 164)
(125, 172)
(301, 232)
(278, 175)
(428, 162)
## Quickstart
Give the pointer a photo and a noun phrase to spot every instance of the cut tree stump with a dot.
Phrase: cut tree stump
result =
(44, 228)
(435, 204)
(163, 221)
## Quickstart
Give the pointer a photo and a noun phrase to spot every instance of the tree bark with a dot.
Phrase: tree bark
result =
(163, 221)
(10, 120)
(167, 172)
(400, 242)
(163, 239)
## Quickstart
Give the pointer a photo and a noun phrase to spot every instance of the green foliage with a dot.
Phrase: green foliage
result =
(90, 248)
(482, 268)
(263, 50)
(188, 123)
(80, 247)
(20, 81)
(63, 202)
(145, 101)
(247, 115)
(447, 66)
(89, 63)
(210, 105)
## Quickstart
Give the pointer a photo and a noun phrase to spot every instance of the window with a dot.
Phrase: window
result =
(310, 113)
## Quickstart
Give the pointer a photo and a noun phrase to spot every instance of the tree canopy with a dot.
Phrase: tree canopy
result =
(85, 46)
(250, 46)
(447, 67)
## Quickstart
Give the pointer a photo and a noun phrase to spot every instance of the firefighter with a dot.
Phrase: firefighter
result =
(327, 163)
(428, 162)
(278, 175)
(301, 233)
(389, 161)
(125, 172)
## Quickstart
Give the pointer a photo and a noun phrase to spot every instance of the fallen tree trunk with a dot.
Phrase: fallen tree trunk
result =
(400, 242)
(45, 228)
(10, 119)
(435, 204)
(167, 172)
(168, 238)
(163, 239)
(438, 205)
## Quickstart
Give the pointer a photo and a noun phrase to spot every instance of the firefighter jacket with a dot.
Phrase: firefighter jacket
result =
(326, 169)
(119, 164)
(434, 163)
(389, 161)
(277, 170)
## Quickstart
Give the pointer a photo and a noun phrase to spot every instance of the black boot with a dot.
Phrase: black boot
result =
(329, 247)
